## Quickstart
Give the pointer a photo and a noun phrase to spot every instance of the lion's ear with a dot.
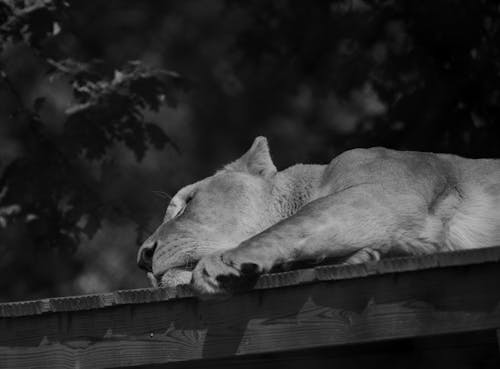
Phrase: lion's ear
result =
(257, 160)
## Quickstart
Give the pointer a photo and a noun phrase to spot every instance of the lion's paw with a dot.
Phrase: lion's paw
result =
(220, 274)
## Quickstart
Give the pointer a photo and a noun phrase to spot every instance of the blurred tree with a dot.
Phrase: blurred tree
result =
(411, 75)
(316, 77)
(46, 190)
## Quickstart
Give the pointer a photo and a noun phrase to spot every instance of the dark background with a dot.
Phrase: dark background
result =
(107, 107)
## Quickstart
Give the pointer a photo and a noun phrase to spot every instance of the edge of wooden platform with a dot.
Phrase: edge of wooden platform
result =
(267, 281)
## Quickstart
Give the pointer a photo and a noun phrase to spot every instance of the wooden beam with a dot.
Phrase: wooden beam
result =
(465, 351)
(276, 280)
(410, 298)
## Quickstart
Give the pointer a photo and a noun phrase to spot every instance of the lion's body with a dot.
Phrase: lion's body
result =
(363, 205)
(437, 201)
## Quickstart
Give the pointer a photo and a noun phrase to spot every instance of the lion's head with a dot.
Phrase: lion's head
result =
(216, 213)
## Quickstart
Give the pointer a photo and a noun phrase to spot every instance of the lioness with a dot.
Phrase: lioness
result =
(366, 204)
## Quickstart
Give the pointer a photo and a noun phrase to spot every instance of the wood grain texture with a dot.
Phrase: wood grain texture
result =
(276, 280)
(463, 351)
(425, 302)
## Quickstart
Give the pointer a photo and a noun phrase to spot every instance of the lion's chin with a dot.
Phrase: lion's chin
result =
(171, 278)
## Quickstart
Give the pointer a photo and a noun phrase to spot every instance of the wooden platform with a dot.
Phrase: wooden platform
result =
(434, 311)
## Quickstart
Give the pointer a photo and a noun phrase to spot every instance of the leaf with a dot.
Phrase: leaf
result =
(118, 77)
(56, 29)
(38, 104)
(92, 225)
(156, 136)
(5, 12)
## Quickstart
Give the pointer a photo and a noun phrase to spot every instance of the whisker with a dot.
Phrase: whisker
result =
(162, 194)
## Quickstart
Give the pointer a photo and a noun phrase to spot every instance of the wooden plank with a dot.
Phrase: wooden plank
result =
(276, 280)
(464, 351)
(420, 303)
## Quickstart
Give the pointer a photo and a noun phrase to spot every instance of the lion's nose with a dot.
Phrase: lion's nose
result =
(145, 256)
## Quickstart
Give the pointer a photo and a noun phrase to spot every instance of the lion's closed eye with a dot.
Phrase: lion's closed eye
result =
(177, 207)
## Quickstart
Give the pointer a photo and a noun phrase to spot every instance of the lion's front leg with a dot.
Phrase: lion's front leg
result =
(337, 225)
(236, 268)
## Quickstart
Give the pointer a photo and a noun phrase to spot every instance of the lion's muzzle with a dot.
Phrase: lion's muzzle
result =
(169, 254)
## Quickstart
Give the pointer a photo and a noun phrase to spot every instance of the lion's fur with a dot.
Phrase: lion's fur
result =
(365, 202)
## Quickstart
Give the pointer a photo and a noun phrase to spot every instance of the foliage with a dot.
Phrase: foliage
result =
(316, 77)
(47, 187)
(433, 64)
